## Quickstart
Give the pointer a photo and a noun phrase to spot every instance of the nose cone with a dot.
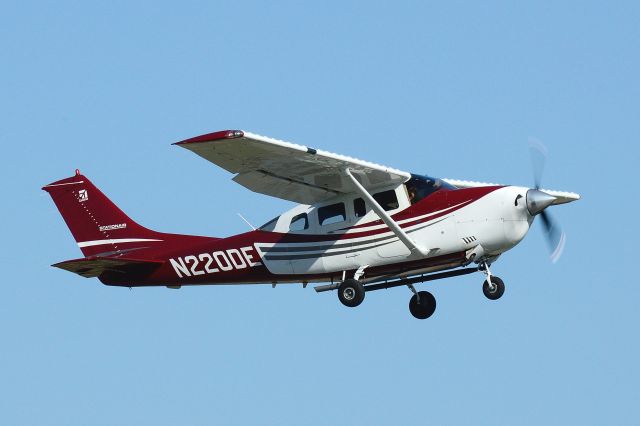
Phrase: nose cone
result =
(537, 201)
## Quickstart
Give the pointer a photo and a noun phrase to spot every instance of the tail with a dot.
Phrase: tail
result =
(98, 226)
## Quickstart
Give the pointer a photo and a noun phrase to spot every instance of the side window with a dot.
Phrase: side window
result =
(359, 208)
(271, 225)
(387, 199)
(333, 213)
(299, 222)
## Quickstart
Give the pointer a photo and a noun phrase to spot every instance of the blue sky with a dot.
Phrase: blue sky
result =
(450, 88)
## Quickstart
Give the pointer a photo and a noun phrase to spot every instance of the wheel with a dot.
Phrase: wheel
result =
(351, 293)
(425, 308)
(496, 292)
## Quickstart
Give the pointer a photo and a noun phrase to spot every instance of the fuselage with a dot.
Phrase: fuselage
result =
(324, 242)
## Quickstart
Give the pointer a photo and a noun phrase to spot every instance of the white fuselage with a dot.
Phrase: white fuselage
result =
(492, 224)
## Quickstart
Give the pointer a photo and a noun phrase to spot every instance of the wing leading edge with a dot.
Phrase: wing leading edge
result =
(286, 170)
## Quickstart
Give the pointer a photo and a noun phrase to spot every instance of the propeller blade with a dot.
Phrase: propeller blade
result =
(538, 153)
(537, 202)
(555, 236)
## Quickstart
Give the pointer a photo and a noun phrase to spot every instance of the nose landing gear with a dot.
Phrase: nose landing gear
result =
(495, 290)
(493, 286)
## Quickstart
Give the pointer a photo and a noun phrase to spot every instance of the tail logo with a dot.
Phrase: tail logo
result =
(83, 195)
(112, 227)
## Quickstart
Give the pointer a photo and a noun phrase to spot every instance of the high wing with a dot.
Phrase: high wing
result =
(562, 197)
(286, 170)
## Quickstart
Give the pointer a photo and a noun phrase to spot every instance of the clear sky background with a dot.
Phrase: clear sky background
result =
(452, 89)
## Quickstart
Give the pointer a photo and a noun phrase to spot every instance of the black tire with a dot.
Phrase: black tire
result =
(497, 291)
(425, 308)
(351, 293)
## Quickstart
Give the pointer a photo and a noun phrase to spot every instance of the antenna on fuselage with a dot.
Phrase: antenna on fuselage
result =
(247, 222)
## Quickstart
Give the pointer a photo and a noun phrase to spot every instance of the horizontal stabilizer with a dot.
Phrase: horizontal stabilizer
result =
(96, 266)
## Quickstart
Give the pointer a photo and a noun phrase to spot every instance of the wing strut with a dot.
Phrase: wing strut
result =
(393, 226)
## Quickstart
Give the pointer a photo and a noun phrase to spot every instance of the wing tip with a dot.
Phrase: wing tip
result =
(209, 137)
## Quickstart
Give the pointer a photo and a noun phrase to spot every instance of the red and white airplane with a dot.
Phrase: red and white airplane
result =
(361, 226)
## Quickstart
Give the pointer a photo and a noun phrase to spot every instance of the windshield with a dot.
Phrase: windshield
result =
(419, 187)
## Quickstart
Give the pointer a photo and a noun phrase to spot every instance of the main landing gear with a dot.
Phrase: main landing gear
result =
(422, 305)
(351, 292)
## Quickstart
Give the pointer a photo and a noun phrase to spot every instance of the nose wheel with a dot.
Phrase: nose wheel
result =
(495, 290)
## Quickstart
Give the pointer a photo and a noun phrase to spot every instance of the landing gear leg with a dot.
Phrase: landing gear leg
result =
(422, 305)
(493, 286)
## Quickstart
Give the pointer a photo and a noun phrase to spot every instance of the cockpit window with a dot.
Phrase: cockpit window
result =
(299, 222)
(333, 213)
(387, 199)
(271, 225)
(419, 187)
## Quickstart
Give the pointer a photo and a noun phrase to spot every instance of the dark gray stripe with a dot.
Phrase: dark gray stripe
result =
(324, 247)
(337, 253)
(311, 256)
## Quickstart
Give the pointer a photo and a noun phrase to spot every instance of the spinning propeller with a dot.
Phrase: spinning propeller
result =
(538, 201)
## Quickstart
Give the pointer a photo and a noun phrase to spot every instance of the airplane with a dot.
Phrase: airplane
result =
(359, 227)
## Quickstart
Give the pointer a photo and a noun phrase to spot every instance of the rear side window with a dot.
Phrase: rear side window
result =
(359, 208)
(387, 199)
(271, 225)
(299, 223)
(333, 213)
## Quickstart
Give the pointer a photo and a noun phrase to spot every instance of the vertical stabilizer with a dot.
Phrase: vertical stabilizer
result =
(98, 225)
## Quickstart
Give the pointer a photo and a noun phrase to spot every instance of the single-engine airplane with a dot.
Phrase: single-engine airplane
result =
(360, 226)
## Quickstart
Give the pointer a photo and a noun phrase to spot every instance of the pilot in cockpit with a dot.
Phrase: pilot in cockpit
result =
(411, 190)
